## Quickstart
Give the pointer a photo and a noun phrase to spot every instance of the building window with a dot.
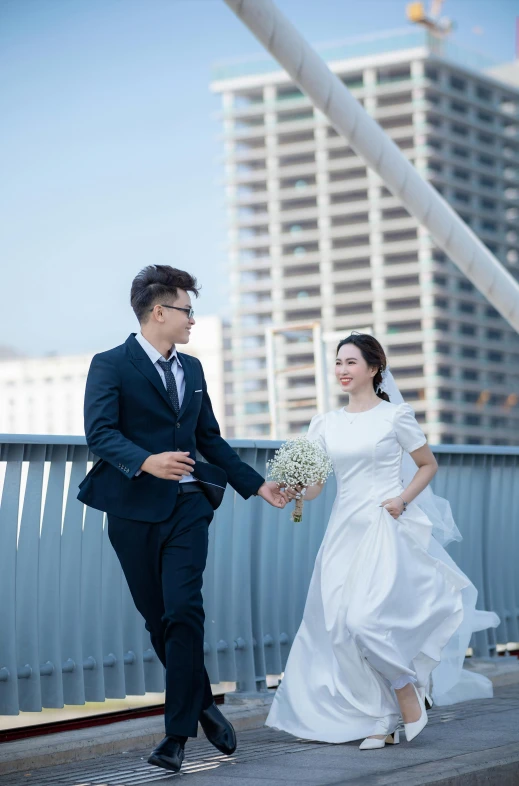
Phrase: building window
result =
(459, 130)
(354, 308)
(404, 327)
(457, 84)
(462, 196)
(485, 117)
(486, 139)
(258, 429)
(353, 80)
(461, 174)
(396, 74)
(444, 394)
(483, 93)
(255, 407)
(470, 375)
(467, 330)
(446, 417)
(471, 396)
(472, 420)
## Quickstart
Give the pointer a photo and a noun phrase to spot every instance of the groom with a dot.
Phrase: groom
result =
(147, 413)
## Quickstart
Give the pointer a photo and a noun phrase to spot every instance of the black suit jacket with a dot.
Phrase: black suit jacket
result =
(129, 416)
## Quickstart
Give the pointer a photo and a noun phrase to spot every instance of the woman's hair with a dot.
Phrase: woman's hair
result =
(155, 283)
(372, 353)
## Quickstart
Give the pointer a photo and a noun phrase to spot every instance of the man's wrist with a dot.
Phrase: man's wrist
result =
(142, 467)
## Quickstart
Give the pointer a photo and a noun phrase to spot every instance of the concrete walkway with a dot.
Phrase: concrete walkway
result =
(468, 744)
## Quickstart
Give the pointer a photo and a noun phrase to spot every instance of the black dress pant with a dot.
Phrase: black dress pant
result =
(163, 564)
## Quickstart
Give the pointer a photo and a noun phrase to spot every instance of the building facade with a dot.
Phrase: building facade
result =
(44, 395)
(318, 243)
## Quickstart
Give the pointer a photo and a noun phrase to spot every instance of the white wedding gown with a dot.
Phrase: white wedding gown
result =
(384, 599)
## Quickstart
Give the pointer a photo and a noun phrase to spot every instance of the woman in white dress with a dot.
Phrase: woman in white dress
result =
(385, 599)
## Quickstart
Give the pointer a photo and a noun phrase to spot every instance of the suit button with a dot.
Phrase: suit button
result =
(178, 425)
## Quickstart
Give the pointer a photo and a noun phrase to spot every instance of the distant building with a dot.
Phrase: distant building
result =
(44, 395)
(315, 238)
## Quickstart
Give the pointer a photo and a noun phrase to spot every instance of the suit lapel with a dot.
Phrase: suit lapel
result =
(189, 381)
(142, 362)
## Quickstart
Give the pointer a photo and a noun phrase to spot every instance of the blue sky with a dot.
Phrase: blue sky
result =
(109, 148)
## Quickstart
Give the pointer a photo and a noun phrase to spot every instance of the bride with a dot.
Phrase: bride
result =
(386, 604)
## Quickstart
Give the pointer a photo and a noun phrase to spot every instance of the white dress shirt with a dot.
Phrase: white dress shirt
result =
(178, 372)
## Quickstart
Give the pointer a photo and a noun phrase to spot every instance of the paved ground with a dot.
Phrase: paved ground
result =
(474, 743)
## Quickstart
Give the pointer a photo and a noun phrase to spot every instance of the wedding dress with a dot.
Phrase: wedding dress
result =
(385, 599)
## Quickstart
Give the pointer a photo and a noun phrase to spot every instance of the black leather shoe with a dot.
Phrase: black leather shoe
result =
(169, 754)
(218, 730)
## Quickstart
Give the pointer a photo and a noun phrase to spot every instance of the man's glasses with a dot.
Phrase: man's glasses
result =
(189, 311)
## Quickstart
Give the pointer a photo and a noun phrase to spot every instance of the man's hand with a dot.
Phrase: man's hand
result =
(169, 465)
(271, 493)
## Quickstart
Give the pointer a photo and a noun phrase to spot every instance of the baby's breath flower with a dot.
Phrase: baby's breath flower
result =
(299, 462)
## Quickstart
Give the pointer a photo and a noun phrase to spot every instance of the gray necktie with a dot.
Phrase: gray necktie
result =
(171, 385)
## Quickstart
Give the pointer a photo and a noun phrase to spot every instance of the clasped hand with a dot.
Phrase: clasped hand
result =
(394, 506)
(293, 492)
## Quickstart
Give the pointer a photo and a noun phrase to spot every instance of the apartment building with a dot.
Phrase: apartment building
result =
(318, 246)
(44, 395)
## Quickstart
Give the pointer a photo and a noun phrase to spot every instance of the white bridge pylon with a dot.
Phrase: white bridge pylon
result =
(370, 142)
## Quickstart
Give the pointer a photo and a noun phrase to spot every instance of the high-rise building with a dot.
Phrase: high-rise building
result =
(317, 242)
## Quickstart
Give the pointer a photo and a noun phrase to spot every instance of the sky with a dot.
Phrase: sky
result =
(110, 148)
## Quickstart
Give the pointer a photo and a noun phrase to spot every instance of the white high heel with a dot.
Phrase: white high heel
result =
(413, 729)
(426, 698)
(370, 743)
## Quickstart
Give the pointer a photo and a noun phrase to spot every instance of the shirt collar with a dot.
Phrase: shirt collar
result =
(154, 354)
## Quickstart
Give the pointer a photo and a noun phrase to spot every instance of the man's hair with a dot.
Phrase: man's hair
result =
(158, 282)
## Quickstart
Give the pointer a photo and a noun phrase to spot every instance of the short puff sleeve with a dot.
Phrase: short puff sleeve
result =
(408, 433)
(316, 431)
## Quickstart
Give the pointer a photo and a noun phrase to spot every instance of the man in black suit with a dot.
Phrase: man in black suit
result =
(147, 412)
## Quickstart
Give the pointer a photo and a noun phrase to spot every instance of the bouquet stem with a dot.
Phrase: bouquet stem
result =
(297, 513)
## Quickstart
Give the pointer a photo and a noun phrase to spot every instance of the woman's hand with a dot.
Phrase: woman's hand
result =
(394, 506)
(295, 492)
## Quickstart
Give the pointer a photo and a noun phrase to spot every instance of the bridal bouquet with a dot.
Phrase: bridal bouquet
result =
(299, 462)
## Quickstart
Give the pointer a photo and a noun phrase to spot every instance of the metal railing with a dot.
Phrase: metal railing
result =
(69, 631)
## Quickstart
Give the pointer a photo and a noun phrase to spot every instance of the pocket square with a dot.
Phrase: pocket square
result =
(198, 391)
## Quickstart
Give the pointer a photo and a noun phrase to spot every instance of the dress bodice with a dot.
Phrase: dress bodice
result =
(366, 448)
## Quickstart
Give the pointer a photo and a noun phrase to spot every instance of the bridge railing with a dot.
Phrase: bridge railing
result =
(69, 631)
